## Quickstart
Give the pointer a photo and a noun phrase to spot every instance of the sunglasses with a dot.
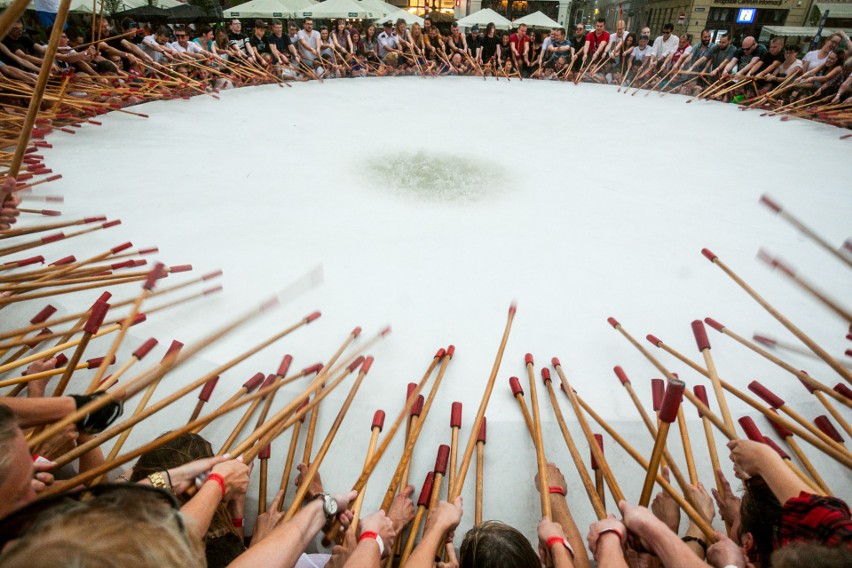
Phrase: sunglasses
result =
(133, 496)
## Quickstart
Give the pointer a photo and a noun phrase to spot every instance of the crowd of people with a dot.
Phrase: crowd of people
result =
(191, 504)
(223, 58)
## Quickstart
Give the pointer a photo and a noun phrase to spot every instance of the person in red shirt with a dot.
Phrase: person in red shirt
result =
(596, 41)
(520, 43)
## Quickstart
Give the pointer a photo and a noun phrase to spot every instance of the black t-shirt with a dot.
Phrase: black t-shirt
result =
(489, 46)
(768, 59)
(744, 58)
(23, 43)
(505, 52)
(239, 41)
(473, 43)
(261, 45)
(282, 44)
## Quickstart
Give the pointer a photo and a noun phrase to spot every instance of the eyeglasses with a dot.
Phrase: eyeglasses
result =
(133, 496)
(180, 35)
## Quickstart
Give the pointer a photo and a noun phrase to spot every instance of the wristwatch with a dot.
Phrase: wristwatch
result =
(329, 504)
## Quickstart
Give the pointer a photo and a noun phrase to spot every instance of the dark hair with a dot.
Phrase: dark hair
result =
(204, 30)
(628, 36)
(259, 24)
(493, 544)
(601, 20)
(760, 515)
(163, 31)
(668, 27)
(792, 47)
(105, 66)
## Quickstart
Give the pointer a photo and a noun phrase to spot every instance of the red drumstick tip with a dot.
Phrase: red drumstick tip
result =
(515, 385)
(270, 379)
(356, 332)
(653, 339)
(94, 219)
(768, 341)
(613, 322)
(769, 202)
(52, 238)
(180, 268)
(95, 362)
(701, 394)
(622, 376)
(440, 353)
(368, 362)
(61, 360)
(708, 254)
(312, 317)
(442, 459)
(264, 453)
(207, 389)
(315, 368)
(410, 389)
(751, 430)
(173, 349)
(555, 362)
(767, 395)
(378, 420)
(153, 275)
(599, 441)
(109, 224)
(714, 324)
(771, 443)
(545, 375)
(824, 424)
(26, 262)
(658, 388)
(426, 490)
(480, 438)
(671, 400)
(251, 384)
(456, 415)
(840, 388)
(45, 313)
(700, 334)
(355, 364)
(212, 290)
(51, 212)
(302, 407)
(145, 348)
(528, 359)
(385, 331)
(65, 260)
(513, 308)
(451, 350)
(96, 317)
(210, 275)
(417, 407)
(285, 365)
(121, 247)
(149, 250)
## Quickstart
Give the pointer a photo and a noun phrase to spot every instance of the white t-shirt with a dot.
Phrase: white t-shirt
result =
(640, 54)
(313, 40)
(191, 47)
(155, 54)
(813, 59)
(663, 48)
(780, 70)
(387, 40)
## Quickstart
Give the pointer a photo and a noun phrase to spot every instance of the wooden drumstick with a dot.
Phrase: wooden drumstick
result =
(668, 414)
(37, 321)
(480, 471)
(614, 488)
(456, 490)
(594, 499)
(812, 345)
(704, 347)
(754, 434)
(538, 441)
(518, 393)
(291, 454)
(422, 504)
(375, 430)
(248, 387)
(701, 393)
(687, 446)
(137, 356)
(241, 423)
(455, 425)
(830, 407)
(599, 479)
(414, 420)
(263, 456)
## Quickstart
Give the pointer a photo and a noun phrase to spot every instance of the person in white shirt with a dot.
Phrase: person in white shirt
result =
(388, 42)
(309, 40)
(185, 48)
(616, 39)
(666, 43)
(156, 46)
(814, 59)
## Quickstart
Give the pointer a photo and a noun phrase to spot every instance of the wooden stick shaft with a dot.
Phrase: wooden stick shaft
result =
(261, 490)
(412, 535)
(595, 498)
(454, 450)
(803, 459)
(312, 428)
(239, 427)
(196, 411)
(833, 411)
(359, 501)
(72, 364)
(477, 422)
(68, 290)
(291, 456)
(480, 470)
(812, 345)
(654, 464)
(600, 486)
(811, 234)
(538, 441)
(113, 348)
(309, 475)
(526, 413)
(687, 447)
(717, 389)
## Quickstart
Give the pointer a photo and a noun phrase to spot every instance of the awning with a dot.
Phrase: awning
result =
(794, 31)
(835, 10)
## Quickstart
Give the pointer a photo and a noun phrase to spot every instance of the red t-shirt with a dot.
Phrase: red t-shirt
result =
(595, 41)
(519, 43)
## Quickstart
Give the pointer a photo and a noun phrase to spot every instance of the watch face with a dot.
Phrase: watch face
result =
(329, 505)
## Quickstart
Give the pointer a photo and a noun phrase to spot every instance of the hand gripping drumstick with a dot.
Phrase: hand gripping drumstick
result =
(311, 473)
(787, 436)
(812, 345)
(538, 441)
(595, 499)
(691, 511)
(477, 421)
(668, 414)
(426, 493)
(809, 381)
(367, 471)
(801, 432)
(754, 434)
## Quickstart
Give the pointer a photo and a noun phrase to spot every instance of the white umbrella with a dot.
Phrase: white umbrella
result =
(537, 20)
(380, 9)
(485, 17)
(338, 9)
(409, 18)
(266, 9)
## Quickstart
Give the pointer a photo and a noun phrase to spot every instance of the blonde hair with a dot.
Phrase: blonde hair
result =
(111, 531)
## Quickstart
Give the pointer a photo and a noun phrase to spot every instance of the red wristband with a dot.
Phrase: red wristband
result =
(559, 540)
(367, 534)
(613, 530)
(238, 522)
(556, 489)
(220, 480)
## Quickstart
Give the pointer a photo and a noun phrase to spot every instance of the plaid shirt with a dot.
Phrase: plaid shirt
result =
(811, 518)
